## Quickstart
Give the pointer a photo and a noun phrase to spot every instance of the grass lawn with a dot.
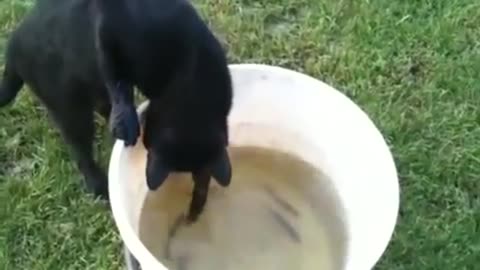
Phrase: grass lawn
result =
(413, 65)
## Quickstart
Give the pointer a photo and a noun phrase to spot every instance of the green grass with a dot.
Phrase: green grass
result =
(413, 65)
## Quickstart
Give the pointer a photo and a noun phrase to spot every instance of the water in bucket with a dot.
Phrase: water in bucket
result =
(278, 213)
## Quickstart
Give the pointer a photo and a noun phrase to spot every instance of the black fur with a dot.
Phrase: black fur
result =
(82, 55)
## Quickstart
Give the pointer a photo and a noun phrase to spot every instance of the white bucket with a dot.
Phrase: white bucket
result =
(285, 110)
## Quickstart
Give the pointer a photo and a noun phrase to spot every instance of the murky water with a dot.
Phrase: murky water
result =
(279, 213)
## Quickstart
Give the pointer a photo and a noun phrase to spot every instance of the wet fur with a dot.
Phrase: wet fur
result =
(79, 56)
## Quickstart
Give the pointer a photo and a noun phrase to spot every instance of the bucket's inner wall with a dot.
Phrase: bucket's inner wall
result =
(278, 213)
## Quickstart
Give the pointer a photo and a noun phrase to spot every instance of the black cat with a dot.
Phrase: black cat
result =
(79, 56)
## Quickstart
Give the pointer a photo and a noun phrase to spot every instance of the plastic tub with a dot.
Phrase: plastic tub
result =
(282, 110)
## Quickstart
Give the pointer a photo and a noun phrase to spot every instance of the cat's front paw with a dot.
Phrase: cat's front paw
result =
(124, 123)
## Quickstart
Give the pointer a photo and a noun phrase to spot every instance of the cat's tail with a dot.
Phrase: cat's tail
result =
(10, 85)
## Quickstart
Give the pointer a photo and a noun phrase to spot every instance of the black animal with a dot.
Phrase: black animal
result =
(79, 56)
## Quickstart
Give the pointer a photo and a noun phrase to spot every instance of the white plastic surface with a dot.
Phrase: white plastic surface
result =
(289, 111)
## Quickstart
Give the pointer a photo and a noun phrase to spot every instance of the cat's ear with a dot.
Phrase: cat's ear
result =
(157, 171)
(221, 169)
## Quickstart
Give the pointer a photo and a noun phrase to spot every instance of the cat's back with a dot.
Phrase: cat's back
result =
(55, 38)
(156, 39)
(52, 18)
